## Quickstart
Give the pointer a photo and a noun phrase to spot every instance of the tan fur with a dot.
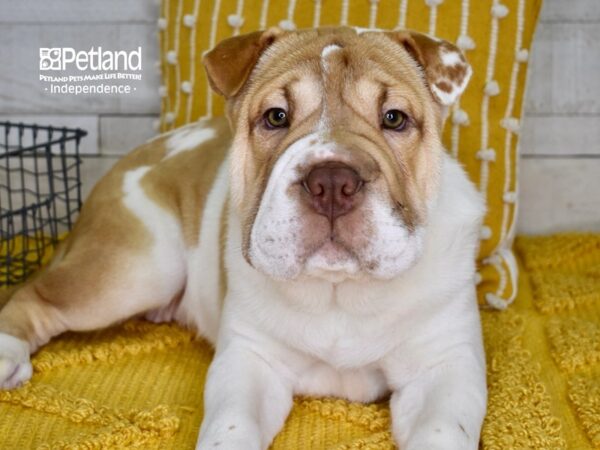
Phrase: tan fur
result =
(85, 284)
(231, 62)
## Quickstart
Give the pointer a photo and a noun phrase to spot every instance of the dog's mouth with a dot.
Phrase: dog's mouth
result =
(333, 248)
(332, 259)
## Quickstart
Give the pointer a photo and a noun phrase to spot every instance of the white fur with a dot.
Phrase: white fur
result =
(360, 30)
(272, 243)
(163, 227)
(393, 246)
(201, 303)
(450, 58)
(328, 49)
(417, 335)
(446, 98)
(165, 252)
(188, 138)
(15, 367)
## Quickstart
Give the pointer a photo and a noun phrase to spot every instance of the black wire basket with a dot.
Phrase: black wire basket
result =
(40, 194)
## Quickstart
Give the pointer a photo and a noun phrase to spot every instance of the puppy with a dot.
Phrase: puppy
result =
(321, 240)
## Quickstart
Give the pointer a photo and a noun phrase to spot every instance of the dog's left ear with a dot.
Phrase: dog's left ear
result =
(446, 69)
(230, 63)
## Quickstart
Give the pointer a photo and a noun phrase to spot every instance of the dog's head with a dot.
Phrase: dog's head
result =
(336, 150)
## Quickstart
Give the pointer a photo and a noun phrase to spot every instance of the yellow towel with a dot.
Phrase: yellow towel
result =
(139, 385)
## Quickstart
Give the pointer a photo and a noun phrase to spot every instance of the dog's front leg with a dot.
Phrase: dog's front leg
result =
(444, 407)
(246, 400)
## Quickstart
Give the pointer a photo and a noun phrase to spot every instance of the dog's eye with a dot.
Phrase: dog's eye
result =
(394, 119)
(276, 118)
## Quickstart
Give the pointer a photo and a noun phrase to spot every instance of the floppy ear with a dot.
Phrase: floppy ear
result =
(446, 69)
(229, 64)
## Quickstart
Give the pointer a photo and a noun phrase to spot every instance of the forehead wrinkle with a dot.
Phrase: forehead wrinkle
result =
(289, 54)
(262, 86)
(391, 80)
(273, 97)
(404, 93)
(287, 94)
(378, 71)
(360, 114)
(332, 82)
(382, 99)
(305, 102)
(384, 49)
(393, 66)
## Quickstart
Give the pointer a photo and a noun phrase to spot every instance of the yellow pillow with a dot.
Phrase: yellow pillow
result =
(482, 130)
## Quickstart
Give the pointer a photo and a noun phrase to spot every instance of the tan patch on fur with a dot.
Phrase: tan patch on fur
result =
(444, 86)
(76, 289)
(195, 172)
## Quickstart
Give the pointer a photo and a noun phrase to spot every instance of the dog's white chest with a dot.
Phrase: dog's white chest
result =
(366, 384)
(341, 354)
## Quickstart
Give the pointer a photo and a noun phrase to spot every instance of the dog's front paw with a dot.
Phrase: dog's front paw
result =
(15, 367)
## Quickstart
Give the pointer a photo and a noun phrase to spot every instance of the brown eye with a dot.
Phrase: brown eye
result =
(276, 118)
(394, 119)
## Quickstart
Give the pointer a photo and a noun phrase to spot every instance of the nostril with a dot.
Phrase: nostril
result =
(314, 186)
(351, 188)
(319, 190)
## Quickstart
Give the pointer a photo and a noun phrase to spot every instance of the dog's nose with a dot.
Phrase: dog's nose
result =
(333, 189)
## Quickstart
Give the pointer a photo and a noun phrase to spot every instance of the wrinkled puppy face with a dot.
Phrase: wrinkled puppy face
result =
(336, 150)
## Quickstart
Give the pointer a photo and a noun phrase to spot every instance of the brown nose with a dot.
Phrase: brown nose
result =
(333, 189)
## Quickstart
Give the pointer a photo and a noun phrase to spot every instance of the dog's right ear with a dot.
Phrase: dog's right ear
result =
(229, 64)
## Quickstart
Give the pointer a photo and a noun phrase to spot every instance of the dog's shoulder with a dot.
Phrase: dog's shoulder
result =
(174, 172)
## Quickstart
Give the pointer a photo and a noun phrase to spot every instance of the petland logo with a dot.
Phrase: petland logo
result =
(63, 70)
(95, 59)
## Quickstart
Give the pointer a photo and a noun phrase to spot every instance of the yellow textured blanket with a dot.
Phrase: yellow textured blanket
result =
(140, 385)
